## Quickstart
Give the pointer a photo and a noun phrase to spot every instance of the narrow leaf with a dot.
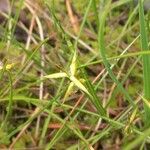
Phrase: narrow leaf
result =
(146, 102)
(69, 91)
(79, 84)
(146, 60)
(73, 64)
(56, 75)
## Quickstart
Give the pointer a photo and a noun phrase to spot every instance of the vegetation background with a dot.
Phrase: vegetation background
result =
(74, 74)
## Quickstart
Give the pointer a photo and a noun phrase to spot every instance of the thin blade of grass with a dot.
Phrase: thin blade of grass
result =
(103, 51)
(10, 103)
(95, 100)
(146, 60)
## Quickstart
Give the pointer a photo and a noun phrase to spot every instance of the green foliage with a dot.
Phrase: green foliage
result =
(62, 89)
(146, 59)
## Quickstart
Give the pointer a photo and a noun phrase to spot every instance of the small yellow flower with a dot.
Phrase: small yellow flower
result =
(8, 66)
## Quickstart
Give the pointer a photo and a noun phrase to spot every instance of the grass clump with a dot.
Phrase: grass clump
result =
(71, 78)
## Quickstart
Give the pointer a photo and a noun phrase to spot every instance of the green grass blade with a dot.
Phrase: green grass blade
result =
(146, 59)
(94, 99)
(10, 103)
(138, 140)
(103, 51)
